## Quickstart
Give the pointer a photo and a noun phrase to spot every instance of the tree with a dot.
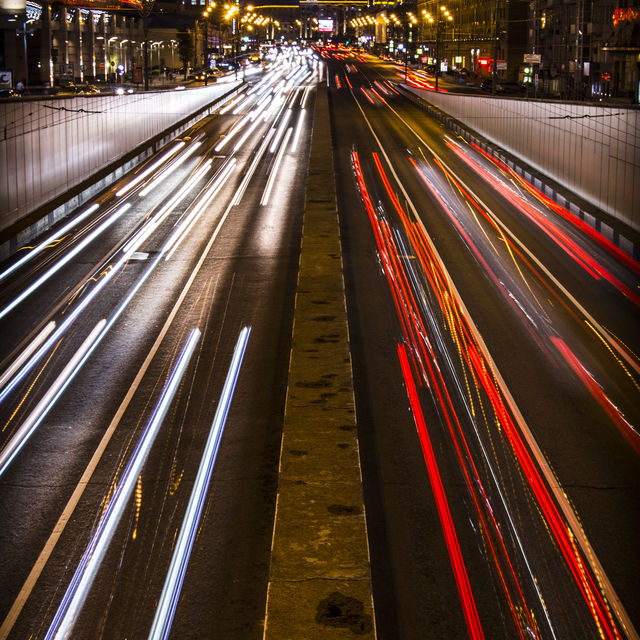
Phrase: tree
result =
(185, 48)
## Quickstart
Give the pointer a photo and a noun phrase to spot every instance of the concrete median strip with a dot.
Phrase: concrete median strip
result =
(320, 584)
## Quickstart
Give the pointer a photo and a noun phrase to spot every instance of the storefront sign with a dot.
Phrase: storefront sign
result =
(625, 15)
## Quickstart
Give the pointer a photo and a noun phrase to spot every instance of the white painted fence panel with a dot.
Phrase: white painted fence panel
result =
(49, 146)
(591, 150)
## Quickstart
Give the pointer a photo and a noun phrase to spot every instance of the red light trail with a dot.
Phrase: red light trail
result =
(479, 381)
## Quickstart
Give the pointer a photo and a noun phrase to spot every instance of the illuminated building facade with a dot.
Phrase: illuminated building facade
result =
(475, 34)
(46, 43)
(589, 49)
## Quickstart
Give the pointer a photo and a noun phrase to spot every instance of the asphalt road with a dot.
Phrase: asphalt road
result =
(234, 267)
(457, 262)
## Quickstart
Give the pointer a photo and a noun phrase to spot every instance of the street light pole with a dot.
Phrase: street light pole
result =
(24, 33)
(449, 17)
(437, 48)
(145, 11)
(494, 70)
(406, 63)
(146, 58)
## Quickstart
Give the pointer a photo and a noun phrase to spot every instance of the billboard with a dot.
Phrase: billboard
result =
(325, 25)
(13, 6)
(22, 6)
(104, 5)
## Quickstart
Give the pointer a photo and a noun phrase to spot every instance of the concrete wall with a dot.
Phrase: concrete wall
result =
(50, 146)
(591, 150)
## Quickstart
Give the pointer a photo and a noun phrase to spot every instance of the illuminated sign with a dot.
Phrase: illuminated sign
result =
(625, 15)
(104, 5)
(325, 25)
(13, 6)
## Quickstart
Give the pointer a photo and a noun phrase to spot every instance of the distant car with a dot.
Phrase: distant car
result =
(502, 86)
(8, 93)
(225, 66)
(510, 87)
(66, 88)
(87, 89)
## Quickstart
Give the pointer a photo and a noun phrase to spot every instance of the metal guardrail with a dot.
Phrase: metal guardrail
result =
(622, 236)
(43, 218)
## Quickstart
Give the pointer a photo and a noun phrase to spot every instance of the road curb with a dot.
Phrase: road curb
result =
(320, 585)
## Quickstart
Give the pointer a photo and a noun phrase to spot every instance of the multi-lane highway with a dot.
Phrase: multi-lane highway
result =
(118, 338)
(495, 348)
(494, 344)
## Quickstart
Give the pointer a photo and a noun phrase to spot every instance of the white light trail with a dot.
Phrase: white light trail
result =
(64, 260)
(185, 226)
(171, 168)
(82, 580)
(261, 106)
(274, 171)
(267, 81)
(280, 132)
(246, 134)
(150, 169)
(47, 241)
(292, 73)
(252, 169)
(37, 415)
(22, 358)
(237, 127)
(168, 603)
(277, 104)
(136, 242)
(231, 104)
(132, 248)
(33, 360)
(294, 144)
(303, 103)
(294, 96)
(248, 101)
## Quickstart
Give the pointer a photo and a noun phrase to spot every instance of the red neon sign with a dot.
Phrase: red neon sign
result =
(625, 15)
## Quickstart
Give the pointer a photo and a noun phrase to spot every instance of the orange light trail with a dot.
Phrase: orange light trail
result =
(626, 259)
(610, 409)
(561, 239)
(367, 96)
(378, 96)
(453, 547)
(424, 362)
(422, 354)
(391, 88)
